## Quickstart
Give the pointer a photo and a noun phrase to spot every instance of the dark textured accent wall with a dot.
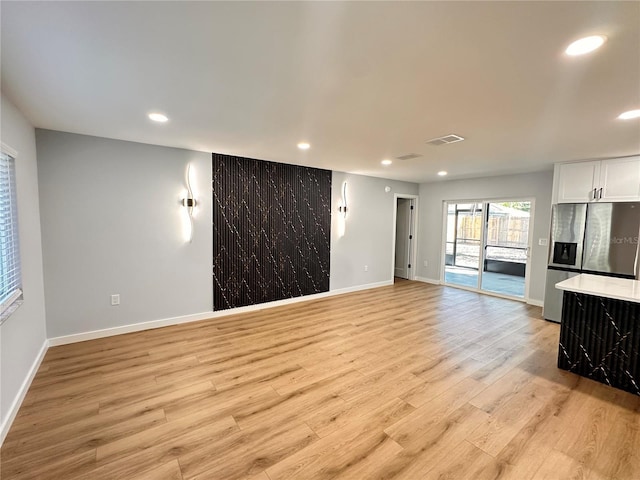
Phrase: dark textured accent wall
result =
(271, 231)
(600, 339)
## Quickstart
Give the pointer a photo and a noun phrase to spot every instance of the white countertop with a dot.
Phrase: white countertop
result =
(610, 287)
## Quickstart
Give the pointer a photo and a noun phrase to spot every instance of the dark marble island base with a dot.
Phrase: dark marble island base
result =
(600, 339)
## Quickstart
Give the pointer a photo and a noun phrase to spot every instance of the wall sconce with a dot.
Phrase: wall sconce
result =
(342, 206)
(189, 203)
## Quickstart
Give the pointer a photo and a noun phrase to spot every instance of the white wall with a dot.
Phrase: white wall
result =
(23, 333)
(531, 185)
(112, 223)
(368, 230)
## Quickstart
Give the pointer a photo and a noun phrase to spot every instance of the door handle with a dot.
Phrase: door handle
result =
(635, 263)
(600, 194)
(595, 194)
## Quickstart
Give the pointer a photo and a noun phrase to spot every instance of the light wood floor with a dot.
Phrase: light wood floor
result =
(411, 381)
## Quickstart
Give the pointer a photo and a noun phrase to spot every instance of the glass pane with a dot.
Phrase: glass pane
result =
(464, 234)
(506, 253)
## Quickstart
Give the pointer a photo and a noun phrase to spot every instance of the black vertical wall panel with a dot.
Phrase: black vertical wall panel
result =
(600, 339)
(271, 231)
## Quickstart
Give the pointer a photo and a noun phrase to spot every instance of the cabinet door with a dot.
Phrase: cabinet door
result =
(620, 179)
(576, 181)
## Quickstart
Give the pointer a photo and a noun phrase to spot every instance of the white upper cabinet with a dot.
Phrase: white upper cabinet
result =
(575, 181)
(620, 179)
(615, 180)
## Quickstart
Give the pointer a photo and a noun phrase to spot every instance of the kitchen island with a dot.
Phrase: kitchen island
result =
(600, 330)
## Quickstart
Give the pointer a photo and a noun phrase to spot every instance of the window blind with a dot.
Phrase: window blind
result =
(10, 272)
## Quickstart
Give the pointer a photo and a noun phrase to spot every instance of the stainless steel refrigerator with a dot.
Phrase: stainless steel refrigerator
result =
(596, 238)
(611, 239)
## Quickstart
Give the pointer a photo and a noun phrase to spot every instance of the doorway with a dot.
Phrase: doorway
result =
(405, 214)
(486, 246)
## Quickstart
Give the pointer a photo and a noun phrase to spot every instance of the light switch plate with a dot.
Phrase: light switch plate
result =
(543, 242)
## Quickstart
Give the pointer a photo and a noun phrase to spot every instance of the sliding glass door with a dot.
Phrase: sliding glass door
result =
(463, 247)
(487, 246)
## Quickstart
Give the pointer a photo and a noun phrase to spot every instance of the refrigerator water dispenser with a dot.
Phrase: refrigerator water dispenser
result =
(564, 253)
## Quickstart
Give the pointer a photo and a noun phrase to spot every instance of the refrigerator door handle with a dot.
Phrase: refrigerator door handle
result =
(635, 264)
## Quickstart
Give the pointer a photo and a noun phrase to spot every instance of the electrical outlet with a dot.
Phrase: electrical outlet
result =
(115, 299)
(366, 268)
(426, 263)
(543, 242)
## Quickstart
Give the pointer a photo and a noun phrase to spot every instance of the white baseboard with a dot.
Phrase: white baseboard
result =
(164, 322)
(357, 288)
(534, 302)
(24, 388)
(305, 298)
(428, 280)
(134, 327)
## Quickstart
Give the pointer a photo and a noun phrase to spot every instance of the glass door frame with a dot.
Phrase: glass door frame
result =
(455, 243)
(483, 244)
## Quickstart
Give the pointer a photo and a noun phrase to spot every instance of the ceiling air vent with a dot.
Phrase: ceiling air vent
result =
(446, 139)
(409, 156)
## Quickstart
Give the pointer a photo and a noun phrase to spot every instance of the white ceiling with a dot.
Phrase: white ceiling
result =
(359, 81)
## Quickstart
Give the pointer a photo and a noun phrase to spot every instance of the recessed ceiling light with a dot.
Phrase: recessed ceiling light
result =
(386, 162)
(304, 146)
(629, 115)
(158, 117)
(442, 173)
(585, 45)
